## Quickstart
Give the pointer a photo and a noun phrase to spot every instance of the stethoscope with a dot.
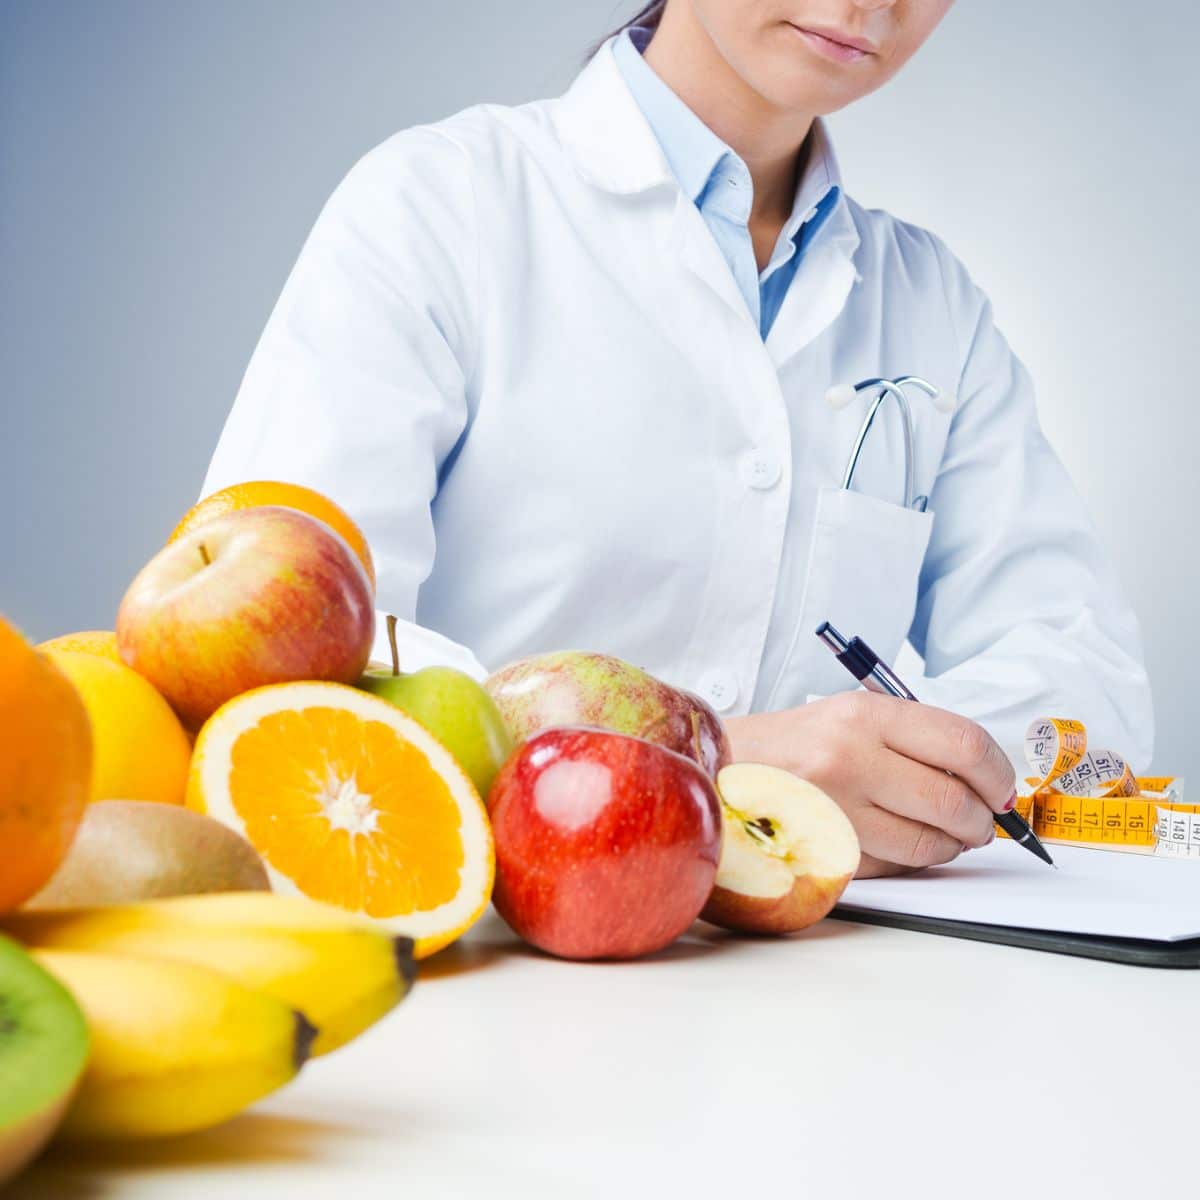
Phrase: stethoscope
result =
(841, 395)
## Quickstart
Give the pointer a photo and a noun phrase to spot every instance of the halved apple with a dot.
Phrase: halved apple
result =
(787, 854)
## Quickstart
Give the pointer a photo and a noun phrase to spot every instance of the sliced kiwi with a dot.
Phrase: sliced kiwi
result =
(43, 1050)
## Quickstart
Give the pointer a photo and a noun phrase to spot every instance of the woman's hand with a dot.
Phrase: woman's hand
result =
(885, 761)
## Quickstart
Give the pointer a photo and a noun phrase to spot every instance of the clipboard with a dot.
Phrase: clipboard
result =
(1137, 952)
(1139, 909)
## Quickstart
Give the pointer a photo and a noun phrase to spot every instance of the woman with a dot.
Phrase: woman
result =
(565, 364)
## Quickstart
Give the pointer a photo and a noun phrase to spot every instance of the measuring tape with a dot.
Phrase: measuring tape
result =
(1082, 797)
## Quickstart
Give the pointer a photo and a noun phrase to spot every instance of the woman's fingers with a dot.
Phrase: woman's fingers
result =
(895, 839)
(944, 739)
(887, 763)
(932, 797)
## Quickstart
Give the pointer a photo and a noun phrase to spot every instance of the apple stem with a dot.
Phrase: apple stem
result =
(391, 628)
(204, 555)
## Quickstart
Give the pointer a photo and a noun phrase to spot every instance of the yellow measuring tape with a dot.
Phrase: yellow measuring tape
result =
(1085, 797)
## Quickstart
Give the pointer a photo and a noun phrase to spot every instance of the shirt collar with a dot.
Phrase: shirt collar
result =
(609, 140)
(817, 193)
(693, 152)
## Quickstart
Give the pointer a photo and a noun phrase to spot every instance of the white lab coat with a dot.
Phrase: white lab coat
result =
(513, 352)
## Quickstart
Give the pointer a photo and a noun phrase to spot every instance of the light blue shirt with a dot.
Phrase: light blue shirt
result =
(717, 181)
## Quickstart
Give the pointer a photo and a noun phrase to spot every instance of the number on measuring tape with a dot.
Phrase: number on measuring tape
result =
(1092, 798)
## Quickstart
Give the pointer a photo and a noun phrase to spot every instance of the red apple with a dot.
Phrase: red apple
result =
(262, 595)
(606, 845)
(578, 687)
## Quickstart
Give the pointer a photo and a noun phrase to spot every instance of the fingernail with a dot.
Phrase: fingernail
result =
(1012, 802)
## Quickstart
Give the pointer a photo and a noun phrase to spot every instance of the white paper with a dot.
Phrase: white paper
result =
(1093, 891)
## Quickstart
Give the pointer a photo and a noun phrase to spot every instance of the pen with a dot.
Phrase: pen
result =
(876, 676)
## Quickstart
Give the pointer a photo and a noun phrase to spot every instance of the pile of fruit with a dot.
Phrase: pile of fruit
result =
(226, 835)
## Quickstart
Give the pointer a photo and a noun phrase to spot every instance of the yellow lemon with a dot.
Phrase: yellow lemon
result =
(141, 750)
(350, 801)
(87, 641)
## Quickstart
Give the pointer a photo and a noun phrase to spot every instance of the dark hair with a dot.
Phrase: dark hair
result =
(649, 16)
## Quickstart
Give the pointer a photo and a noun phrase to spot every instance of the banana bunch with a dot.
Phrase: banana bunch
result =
(200, 1005)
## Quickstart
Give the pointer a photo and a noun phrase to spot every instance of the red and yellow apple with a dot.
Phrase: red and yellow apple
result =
(787, 854)
(261, 595)
(606, 845)
(577, 687)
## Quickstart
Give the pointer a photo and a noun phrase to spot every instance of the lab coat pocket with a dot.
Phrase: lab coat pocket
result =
(863, 566)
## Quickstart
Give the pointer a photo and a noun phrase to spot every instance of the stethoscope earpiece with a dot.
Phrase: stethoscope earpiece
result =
(840, 395)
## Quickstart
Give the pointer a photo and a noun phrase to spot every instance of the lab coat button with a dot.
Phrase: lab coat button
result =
(720, 689)
(760, 469)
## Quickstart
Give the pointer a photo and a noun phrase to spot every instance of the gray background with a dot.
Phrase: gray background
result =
(161, 163)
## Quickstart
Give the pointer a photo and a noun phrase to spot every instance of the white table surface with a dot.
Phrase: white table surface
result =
(847, 1061)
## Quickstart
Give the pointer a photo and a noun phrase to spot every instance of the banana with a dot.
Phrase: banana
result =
(175, 1047)
(340, 972)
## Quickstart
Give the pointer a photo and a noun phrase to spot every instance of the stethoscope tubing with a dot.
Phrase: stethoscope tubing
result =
(892, 388)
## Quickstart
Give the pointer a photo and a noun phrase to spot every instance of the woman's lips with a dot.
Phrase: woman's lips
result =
(838, 51)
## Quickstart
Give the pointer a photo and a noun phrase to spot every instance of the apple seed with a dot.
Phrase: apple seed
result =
(762, 830)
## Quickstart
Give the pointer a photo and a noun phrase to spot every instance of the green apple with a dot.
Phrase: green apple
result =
(452, 706)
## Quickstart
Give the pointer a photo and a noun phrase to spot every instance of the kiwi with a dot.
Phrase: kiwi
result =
(132, 850)
(43, 1050)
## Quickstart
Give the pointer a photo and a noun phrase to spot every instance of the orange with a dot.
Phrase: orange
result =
(140, 750)
(45, 767)
(289, 495)
(350, 801)
(88, 641)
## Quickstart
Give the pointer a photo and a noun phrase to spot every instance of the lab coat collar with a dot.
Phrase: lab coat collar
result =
(613, 145)
(820, 289)
(602, 128)
(692, 150)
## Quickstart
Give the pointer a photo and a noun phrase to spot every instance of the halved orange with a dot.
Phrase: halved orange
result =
(290, 495)
(349, 800)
